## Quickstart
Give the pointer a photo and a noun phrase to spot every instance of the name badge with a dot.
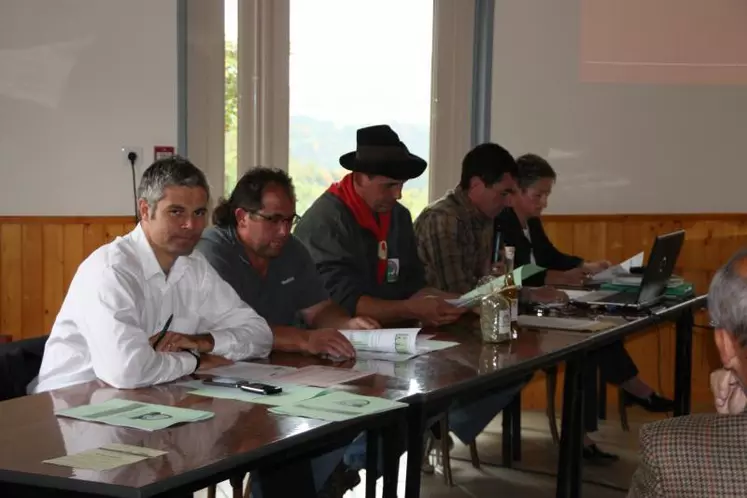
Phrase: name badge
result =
(392, 270)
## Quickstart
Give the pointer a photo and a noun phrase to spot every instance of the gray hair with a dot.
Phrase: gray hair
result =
(173, 171)
(727, 298)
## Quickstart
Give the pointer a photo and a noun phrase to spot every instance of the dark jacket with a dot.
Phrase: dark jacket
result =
(346, 255)
(546, 254)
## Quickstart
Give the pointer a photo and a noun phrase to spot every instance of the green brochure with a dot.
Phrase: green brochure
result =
(336, 406)
(291, 394)
(473, 297)
(127, 413)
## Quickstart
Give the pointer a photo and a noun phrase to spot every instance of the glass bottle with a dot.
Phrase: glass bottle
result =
(510, 291)
(495, 318)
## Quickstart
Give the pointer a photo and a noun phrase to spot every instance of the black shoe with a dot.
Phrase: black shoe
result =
(654, 403)
(342, 479)
(594, 455)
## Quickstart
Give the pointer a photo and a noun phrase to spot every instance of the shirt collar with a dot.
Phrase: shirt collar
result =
(147, 257)
(465, 203)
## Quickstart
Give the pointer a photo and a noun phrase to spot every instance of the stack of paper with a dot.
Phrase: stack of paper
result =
(473, 297)
(337, 406)
(126, 413)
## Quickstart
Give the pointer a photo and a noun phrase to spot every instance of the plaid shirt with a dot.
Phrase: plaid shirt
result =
(695, 456)
(454, 242)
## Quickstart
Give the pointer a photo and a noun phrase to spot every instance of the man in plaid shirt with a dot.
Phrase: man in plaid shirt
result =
(455, 233)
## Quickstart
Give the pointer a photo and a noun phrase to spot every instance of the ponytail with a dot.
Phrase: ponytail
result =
(223, 216)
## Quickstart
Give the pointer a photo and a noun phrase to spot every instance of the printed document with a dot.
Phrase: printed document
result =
(338, 405)
(107, 457)
(126, 413)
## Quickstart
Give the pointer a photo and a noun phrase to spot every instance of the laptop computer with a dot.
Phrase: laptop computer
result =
(656, 275)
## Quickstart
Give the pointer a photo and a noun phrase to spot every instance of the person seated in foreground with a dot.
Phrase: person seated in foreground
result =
(362, 241)
(252, 248)
(127, 291)
(699, 456)
(520, 226)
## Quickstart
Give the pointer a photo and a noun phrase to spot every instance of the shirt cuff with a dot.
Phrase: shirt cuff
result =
(221, 344)
(188, 362)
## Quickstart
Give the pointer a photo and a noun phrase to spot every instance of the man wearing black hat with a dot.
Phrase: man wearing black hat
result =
(363, 244)
(362, 239)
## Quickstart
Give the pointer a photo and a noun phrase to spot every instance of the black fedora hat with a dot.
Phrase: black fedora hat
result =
(379, 151)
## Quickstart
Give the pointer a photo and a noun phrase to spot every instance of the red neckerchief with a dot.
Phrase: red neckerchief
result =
(363, 214)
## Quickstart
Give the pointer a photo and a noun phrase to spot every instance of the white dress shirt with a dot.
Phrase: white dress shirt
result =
(120, 297)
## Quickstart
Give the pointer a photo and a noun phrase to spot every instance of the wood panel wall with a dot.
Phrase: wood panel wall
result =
(39, 256)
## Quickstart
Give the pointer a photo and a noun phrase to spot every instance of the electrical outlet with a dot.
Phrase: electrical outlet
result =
(126, 152)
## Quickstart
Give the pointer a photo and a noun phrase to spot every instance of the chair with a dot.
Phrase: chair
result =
(20, 362)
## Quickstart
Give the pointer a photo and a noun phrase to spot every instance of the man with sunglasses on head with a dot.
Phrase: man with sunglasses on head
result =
(252, 248)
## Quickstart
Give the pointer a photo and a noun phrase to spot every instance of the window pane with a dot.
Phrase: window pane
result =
(355, 63)
(231, 29)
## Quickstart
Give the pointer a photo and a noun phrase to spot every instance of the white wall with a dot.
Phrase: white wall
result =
(78, 80)
(641, 106)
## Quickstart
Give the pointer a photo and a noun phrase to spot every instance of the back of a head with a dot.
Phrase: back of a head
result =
(174, 171)
(488, 162)
(247, 194)
(531, 168)
(727, 297)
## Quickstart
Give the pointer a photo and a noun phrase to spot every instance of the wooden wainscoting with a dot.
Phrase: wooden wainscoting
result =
(38, 258)
(39, 255)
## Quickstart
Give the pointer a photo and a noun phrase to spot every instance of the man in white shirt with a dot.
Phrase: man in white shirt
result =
(145, 309)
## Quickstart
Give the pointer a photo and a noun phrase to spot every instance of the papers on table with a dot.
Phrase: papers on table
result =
(393, 344)
(254, 372)
(290, 394)
(107, 457)
(574, 294)
(575, 324)
(383, 340)
(621, 270)
(320, 376)
(126, 413)
(337, 405)
(473, 297)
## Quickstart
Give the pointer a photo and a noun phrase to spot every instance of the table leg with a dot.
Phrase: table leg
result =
(276, 483)
(571, 437)
(415, 428)
(516, 427)
(372, 461)
(391, 452)
(683, 363)
(507, 436)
